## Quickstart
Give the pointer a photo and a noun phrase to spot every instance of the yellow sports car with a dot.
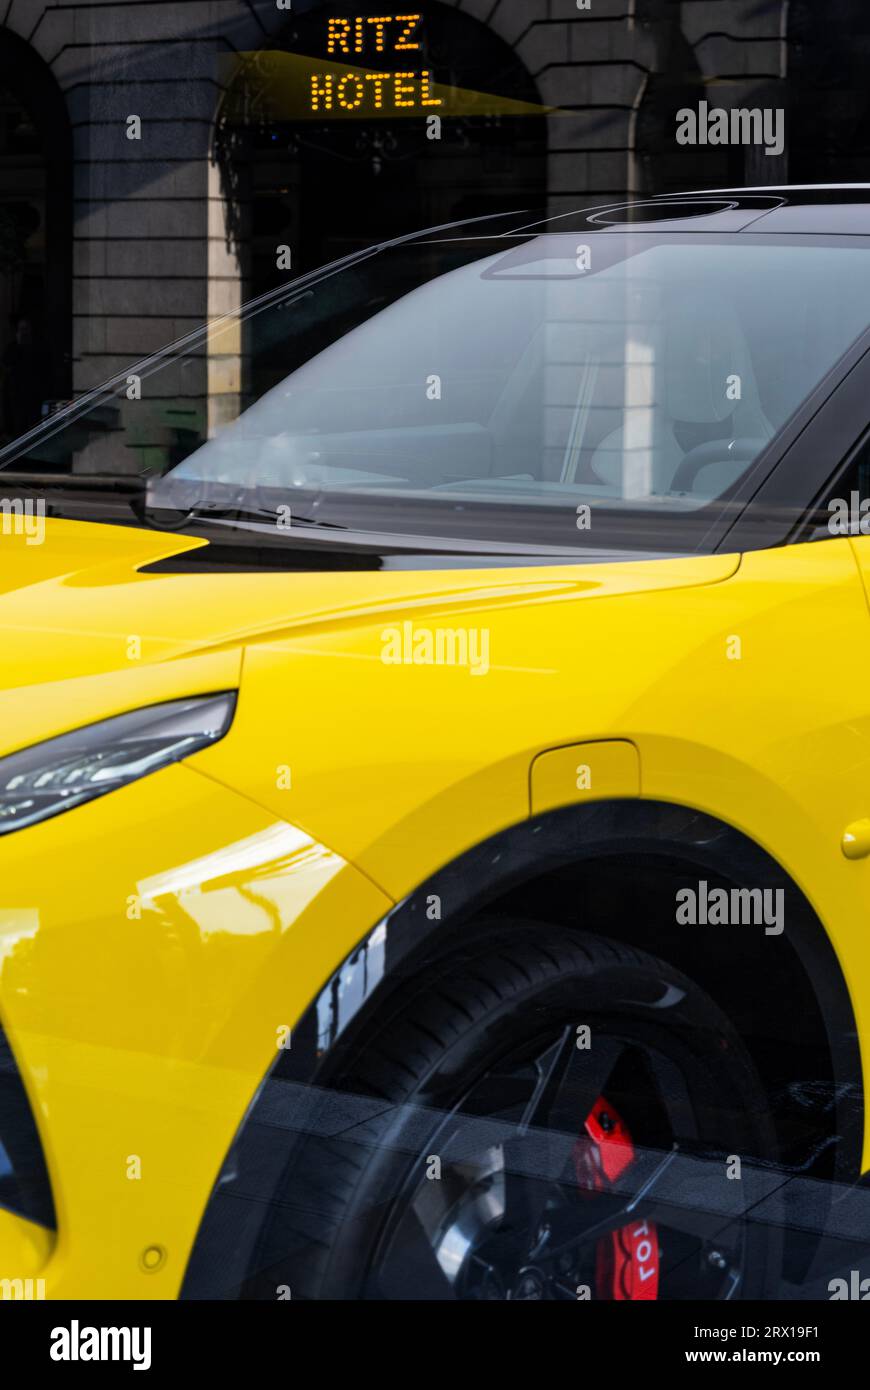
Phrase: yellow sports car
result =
(435, 776)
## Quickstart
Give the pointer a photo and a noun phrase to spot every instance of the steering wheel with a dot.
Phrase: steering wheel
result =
(717, 451)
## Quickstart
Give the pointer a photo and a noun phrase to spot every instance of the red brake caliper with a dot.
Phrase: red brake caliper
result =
(626, 1260)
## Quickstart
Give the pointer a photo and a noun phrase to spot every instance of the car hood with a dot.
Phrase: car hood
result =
(87, 631)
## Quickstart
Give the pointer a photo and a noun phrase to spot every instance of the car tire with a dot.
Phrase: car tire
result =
(480, 1062)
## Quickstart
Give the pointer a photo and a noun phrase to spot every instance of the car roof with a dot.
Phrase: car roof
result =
(797, 192)
(841, 209)
(814, 209)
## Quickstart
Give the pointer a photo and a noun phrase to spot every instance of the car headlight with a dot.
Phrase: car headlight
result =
(63, 772)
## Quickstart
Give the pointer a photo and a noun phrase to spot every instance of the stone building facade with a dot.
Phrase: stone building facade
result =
(116, 237)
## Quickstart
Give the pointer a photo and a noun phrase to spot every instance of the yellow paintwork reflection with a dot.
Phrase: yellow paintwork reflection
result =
(154, 952)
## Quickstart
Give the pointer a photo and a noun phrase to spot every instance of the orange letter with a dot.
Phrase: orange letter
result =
(380, 25)
(412, 21)
(403, 89)
(360, 92)
(337, 35)
(325, 91)
(426, 99)
(379, 78)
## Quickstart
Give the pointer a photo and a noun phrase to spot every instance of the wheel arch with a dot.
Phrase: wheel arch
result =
(582, 864)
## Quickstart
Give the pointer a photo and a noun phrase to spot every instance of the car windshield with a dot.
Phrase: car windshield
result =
(523, 389)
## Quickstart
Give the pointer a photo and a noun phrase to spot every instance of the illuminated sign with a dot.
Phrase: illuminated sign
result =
(357, 68)
(345, 89)
(355, 35)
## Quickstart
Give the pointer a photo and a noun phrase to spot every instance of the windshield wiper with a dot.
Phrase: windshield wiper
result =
(244, 512)
(227, 514)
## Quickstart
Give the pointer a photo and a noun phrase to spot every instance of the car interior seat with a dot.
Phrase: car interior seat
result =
(678, 393)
